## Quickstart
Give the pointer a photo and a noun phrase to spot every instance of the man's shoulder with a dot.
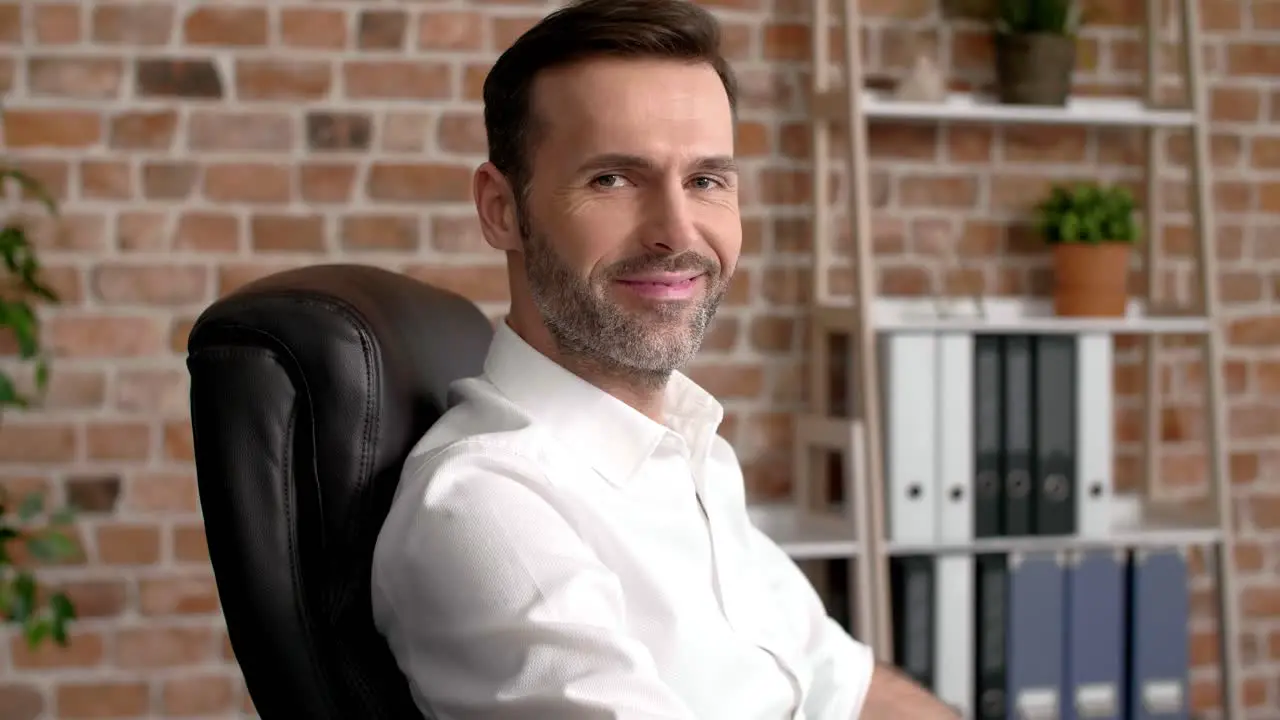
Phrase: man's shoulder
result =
(481, 423)
(482, 458)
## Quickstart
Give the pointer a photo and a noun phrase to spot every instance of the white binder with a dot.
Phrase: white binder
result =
(1095, 434)
(911, 429)
(954, 580)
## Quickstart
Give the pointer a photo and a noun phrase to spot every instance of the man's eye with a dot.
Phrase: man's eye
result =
(607, 181)
(706, 182)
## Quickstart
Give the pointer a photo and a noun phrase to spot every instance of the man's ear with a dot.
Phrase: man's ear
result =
(496, 206)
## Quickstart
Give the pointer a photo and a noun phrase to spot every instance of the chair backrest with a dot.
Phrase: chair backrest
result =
(308, 390)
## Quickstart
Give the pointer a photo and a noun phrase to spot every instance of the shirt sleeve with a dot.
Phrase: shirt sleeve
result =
(495, 608)
(838, 666)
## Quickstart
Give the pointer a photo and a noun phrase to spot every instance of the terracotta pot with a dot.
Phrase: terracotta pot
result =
(1091, 280)
(1034, 69)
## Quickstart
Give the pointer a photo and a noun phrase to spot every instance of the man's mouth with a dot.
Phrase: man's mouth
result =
(662, 286)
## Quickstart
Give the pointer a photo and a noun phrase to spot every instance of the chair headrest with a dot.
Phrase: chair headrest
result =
(308, 390)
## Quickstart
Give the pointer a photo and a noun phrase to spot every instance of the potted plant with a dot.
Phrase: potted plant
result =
(1035, 50)
(43, 539)
(1092, 229)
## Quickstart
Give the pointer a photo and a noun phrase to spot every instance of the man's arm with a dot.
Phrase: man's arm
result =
(847, 682)
(494, 607)
(893, 695)
(840, 668)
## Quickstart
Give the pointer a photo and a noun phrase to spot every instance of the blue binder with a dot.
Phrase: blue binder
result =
(1159, 652)
(1092, 687)
(1036, 642)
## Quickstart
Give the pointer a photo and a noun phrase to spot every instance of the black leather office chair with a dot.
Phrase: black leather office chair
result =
(308, 389)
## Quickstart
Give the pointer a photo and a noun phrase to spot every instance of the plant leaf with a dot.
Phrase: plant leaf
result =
(30, 185)
(51, 547)
(31, 506)
(23, 602)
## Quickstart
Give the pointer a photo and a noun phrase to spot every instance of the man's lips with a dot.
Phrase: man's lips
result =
(662, 286)
(661, 278)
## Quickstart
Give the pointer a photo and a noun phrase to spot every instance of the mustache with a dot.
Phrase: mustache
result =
(687, 261)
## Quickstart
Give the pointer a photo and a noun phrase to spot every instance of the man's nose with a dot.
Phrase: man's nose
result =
(670, 228)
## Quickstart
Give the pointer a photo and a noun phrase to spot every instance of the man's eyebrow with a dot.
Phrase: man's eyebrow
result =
(608, 161)
(718, 163)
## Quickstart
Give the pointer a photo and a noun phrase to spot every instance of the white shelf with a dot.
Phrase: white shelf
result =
(805, 536)
(1001, 315)
(971, 107)
(1134, 526)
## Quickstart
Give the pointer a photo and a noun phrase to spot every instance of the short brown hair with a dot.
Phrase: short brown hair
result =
(664, 29)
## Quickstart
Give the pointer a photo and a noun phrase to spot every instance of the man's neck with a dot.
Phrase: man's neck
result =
(645, 395)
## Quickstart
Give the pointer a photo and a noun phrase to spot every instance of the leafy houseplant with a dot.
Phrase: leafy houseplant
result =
(1035, 50)
(21, 287)
(1092, 229)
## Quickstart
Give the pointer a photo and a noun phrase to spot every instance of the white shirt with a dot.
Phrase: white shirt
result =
(553, 554)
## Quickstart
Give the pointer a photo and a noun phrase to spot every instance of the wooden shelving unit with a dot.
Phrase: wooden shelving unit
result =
(804, 527)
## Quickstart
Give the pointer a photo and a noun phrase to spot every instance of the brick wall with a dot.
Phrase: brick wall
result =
(198, 144)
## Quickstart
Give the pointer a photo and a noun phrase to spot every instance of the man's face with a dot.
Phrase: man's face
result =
(631, 228)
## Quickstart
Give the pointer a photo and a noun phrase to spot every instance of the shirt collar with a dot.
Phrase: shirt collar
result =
(615, 437)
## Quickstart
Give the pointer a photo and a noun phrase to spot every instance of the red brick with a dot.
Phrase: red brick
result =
(106, 180)
(179, 595)
(145, 24)
(37, 443)
(197, 695)
(21, 701)
(169, 180)
(178, 440)
(396, 182)
(136, 284)
(81, 78)
(451, 30)
(327, 182)
(399, 80)
(150, 392)
(107, 699)
(117, 441)
(143, 130)
(207, 232)
(381, 29)
(56, 23)
(98, 336)
(158, 646)
(313, 28)
(52, 128)
(464, 133)
(190, 544)
(241, 131)
(254, 183)
(97, 598)
(282, 233)
(380, 232)
(128, 544)
(163, 492)
(282, 79)
(84, 650)
(226, 26)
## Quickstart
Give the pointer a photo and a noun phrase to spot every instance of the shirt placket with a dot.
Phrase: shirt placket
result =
(734, 613)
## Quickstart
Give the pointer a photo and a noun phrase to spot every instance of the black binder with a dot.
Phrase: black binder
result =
(1054, 495)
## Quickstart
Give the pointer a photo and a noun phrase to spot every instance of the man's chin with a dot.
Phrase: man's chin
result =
(664, 312)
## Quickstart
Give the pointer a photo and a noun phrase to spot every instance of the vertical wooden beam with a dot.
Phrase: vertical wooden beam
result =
(1215, 383)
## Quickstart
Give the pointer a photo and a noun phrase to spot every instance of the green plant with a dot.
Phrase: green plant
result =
(1024, 17)
(21, 288)
(21, 598)
(1088, 213)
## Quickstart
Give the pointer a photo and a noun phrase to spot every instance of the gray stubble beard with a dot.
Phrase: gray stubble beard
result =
(639, 348)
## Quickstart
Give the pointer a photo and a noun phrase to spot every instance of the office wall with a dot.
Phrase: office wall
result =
(196, 145)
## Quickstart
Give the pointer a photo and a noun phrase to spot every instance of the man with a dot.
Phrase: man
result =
(570, 541)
